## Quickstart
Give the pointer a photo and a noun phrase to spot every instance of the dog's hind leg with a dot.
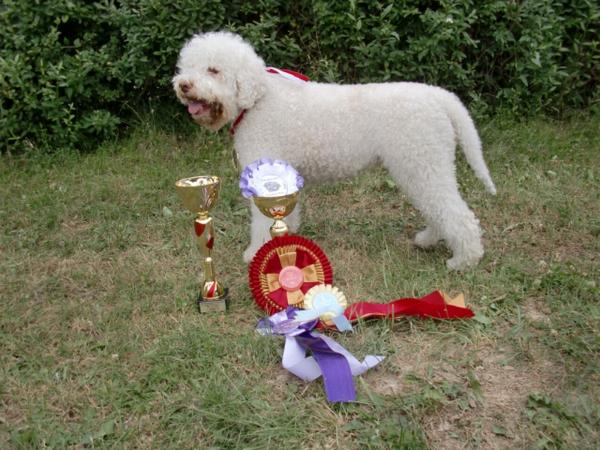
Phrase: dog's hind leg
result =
(449, 218)
(461, 232)
(447, 215)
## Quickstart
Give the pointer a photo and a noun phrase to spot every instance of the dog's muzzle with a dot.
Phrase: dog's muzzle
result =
(206, 113)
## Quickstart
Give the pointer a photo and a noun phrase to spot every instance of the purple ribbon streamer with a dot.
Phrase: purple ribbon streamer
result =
(329, 359)
(337, 376)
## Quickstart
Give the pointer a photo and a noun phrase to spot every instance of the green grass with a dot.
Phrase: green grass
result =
(102, 345)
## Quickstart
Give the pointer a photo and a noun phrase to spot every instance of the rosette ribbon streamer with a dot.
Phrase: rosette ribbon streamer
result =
(330, 359)
(436, 305)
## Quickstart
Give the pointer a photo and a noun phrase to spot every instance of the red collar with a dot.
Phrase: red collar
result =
(286, 73)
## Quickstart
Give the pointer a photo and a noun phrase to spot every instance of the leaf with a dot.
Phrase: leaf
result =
(474, 384)
(523, 79)
(590, 175)
(106, 429)
(484, 320)
(500, 431)
(387, 10)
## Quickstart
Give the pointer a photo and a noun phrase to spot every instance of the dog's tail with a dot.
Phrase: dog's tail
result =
(468, 139)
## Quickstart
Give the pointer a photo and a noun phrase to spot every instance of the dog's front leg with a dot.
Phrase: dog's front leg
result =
(259, 229)
(293, 220)
(259, 232)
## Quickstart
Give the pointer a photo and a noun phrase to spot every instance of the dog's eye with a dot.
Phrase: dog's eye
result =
(213, 70)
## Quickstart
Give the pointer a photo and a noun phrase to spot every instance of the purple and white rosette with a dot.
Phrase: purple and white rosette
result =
(330, 359)
(270, 178)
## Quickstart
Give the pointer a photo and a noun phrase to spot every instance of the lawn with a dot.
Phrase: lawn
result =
(102, 345)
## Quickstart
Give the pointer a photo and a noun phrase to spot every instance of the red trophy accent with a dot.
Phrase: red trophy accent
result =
(199, 228)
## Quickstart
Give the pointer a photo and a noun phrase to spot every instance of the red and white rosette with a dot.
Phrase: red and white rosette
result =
(284, 269)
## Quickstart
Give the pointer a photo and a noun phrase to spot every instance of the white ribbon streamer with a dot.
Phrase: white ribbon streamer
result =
(305, 367)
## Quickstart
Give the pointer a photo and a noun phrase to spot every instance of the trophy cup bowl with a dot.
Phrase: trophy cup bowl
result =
(199, 195)
(277, 208)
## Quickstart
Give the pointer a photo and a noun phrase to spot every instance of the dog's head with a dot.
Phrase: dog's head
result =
(218, 76)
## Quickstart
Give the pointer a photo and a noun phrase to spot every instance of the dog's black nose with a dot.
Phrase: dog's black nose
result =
(185, 86)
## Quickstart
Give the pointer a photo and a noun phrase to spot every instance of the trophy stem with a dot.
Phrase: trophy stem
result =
(212, 296)
(279, 228)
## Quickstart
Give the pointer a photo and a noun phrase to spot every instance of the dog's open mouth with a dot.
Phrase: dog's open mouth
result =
(205, 113)
(199, 108)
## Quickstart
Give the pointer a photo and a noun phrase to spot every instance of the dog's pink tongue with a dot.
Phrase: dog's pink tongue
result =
(195, 108)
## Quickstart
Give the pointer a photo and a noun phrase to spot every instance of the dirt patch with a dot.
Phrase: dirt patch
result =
(72, 227)
(483, 388)
(496, 420)
(543, 244)
(536, 312)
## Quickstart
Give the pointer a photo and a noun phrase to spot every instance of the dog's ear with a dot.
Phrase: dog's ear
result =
(250, 86)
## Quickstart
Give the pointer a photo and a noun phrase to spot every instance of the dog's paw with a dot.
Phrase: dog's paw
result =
(455, 264)
(426, 238)
(460, 264)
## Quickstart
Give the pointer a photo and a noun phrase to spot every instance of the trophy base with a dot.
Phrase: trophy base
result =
(213, 305)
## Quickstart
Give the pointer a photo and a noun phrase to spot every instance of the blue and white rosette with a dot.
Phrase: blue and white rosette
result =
(327, 303)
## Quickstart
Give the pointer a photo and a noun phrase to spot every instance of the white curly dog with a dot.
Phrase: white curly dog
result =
(330, 131)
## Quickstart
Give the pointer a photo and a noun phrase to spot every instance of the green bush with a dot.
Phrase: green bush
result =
(529, 57)
(72, 73)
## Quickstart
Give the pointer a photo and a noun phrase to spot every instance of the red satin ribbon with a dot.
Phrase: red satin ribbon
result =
(432, 305)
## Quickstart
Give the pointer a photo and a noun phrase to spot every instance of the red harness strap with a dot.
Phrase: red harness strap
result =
(286, 73)
(236, 122)
(289, 74)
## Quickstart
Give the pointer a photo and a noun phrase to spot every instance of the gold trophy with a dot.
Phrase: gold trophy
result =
(277, 208)
(199, 195)
(274, 186)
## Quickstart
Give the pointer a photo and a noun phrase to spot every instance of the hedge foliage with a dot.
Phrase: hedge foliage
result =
(73, 72)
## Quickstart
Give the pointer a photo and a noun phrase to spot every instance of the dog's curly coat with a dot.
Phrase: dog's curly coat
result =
(330, 131)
